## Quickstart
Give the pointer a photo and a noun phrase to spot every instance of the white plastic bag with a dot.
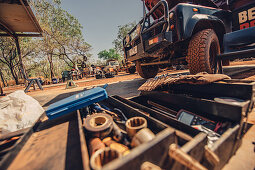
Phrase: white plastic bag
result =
(18, 111)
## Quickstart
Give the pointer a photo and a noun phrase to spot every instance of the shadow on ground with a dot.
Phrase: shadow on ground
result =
(124, 89)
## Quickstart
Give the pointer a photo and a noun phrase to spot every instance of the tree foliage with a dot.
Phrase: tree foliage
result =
(62, 35)
(110, 54)
(60, 47)
(122, 32)
(9, 57)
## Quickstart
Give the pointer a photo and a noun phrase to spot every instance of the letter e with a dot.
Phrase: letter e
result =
(251, 13)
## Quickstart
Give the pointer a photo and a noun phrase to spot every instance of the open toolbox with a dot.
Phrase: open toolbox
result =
(45, 146)
(202, 103)
(155, 151)
(64, 142)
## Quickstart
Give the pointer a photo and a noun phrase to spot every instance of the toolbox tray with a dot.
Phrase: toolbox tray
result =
(224, 148)
(201, 106)
(156, 150)
(62, 144)
(236, 88)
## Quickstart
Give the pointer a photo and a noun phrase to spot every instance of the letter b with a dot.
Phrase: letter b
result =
(242, 16)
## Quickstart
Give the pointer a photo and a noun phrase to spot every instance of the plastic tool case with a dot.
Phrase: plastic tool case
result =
(75, 102)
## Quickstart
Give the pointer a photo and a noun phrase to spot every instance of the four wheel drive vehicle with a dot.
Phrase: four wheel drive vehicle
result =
(75, 74)
(101, 74)
(112, 67)
(129, 67)
(178, 32)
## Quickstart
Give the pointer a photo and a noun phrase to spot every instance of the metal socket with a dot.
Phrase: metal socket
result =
(103, 156)
(149, 166)
(143, 136)
(95, 144)
(108, 141)
(119, 147)
(134, 124)
(99, 125)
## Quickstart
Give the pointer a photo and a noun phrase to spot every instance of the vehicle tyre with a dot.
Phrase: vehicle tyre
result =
(178, 67)
(225, 62)
(202, 51)
(146, 71)
(98, 76)
(131, 70)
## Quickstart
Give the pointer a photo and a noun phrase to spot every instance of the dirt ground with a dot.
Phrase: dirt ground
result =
(87, 82)
(234, 63)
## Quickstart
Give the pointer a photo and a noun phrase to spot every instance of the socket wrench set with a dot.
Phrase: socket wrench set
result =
(122, 137)
(184, 127)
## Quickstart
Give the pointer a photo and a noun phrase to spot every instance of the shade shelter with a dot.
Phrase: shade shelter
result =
(18, 20)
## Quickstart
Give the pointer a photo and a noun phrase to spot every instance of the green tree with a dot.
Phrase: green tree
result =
(61, 45)
(62, 37)
(111, 54)
(122, 32)
(9, 56)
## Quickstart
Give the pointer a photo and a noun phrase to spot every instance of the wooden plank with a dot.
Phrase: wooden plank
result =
(45, 149)
(223, 147)
(16, 18)
(9, 157)
(155, 151)
(13, 134)
(200, 106)
(217, 89)
(195, 148)
(84, 149)
(53, 146)
(245, 155)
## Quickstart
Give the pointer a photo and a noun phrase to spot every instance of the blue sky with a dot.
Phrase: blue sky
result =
(100, 19)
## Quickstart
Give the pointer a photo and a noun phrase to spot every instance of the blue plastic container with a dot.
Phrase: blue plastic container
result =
(76, 102)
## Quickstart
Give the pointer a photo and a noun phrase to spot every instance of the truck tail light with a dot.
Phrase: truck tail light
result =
(154, 40)
(195, 9)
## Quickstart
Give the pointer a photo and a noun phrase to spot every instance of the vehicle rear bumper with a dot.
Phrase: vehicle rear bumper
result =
(149, 46)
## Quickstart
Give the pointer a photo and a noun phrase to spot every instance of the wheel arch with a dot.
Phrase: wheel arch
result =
(200, 22)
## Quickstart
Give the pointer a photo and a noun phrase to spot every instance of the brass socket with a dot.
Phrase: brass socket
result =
(95, 144)
(134, 124)
(108, 141)
(149, 166)
(142, 136)
(103, 156)
(116, 146)
(119, 147)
